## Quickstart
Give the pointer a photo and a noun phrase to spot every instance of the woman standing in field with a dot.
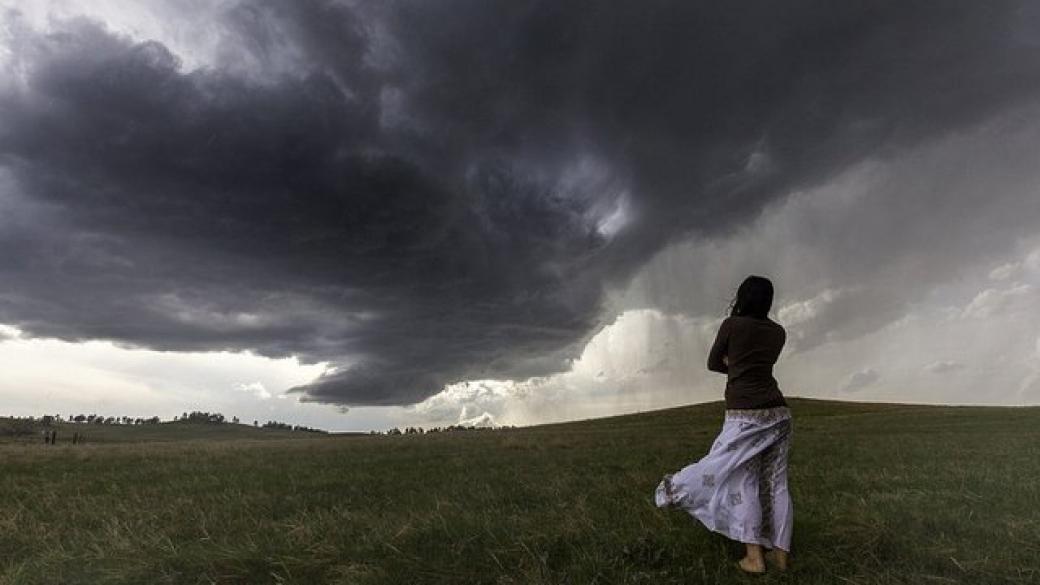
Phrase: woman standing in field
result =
(739, 489)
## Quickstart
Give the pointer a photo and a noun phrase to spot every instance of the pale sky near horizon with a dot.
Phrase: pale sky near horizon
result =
(520, 212)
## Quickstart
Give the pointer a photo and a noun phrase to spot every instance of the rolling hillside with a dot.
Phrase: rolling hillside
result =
(883, 494)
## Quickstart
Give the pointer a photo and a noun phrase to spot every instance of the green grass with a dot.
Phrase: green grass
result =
(882, 493)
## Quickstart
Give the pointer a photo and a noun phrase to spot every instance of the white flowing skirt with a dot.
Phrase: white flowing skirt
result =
(739, 489)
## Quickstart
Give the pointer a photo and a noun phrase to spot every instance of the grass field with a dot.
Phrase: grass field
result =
(882, 494)
(167, 431)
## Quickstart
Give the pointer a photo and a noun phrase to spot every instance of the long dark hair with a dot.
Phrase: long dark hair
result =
(754, 298)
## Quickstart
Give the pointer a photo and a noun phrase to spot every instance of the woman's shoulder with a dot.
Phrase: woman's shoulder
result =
(749, 319)
(746, 321)
(781, 333)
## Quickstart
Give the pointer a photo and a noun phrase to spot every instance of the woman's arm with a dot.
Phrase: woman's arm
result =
(718, 360)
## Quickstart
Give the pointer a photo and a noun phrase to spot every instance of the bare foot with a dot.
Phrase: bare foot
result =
(750, 565)
(778, 558)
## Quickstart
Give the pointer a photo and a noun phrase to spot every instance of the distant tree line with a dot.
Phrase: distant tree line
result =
(447, 429)
(102, 420)
(287, 427)
(17, 426)
(25, 425)
(210, 418)
(11, 426)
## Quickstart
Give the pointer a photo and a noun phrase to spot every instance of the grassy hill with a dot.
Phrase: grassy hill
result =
(174, 431)
(166, 431)
(883, 494)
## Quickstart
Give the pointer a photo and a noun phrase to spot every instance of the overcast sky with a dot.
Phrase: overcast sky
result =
(357, 215)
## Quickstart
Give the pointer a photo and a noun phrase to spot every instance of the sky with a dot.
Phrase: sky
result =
(363, 214)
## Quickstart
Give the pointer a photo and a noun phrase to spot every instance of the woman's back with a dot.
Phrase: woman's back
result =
(751, 346)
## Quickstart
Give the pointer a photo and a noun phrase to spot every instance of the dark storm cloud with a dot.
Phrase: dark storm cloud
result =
(417, 192)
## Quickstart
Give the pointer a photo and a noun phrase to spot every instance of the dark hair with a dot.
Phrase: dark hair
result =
(754, 298)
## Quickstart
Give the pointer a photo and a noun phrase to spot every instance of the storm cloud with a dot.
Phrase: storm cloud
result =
(422, 193)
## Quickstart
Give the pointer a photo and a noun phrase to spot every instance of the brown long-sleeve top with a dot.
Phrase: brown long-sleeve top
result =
(751, 347)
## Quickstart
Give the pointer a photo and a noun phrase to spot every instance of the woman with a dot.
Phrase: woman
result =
(739, 488)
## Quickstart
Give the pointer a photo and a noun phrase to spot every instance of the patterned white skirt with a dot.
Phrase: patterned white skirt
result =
(739, 489)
